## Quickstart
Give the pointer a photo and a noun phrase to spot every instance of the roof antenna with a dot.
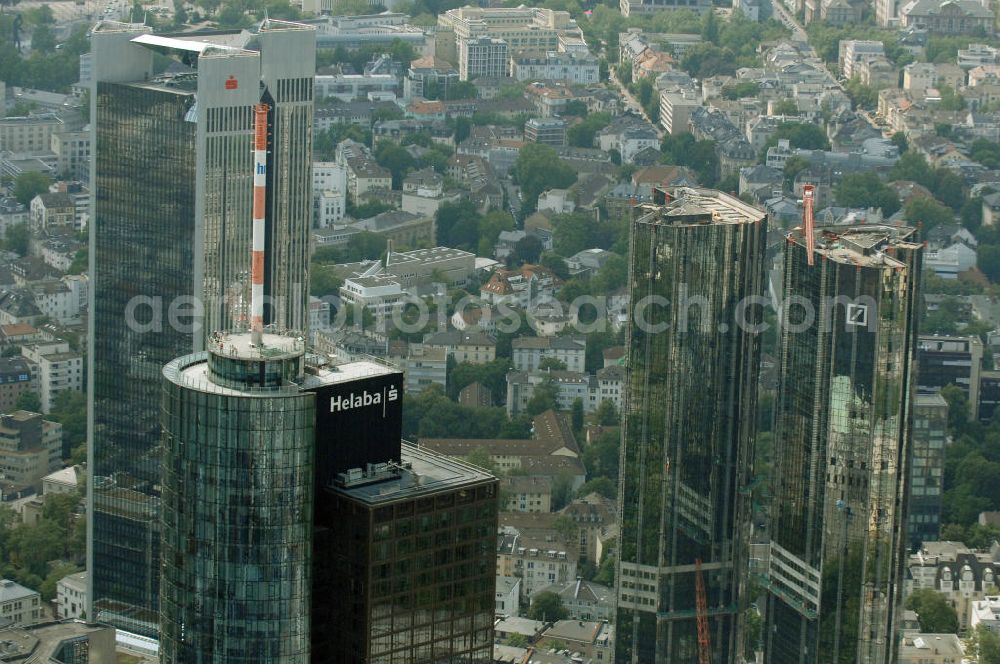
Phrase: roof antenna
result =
(257, 251)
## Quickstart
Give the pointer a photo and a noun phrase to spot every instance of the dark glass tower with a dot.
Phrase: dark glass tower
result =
(930, 432)
(842, 442)
(170, 252)
(237, 497)
(689, 414)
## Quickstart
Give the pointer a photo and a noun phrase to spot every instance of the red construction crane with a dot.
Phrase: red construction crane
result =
(701, 608)
(808, 192)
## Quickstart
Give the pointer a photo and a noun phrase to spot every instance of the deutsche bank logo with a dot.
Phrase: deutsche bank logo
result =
(857, 314)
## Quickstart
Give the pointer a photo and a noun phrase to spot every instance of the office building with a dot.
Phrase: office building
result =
(549, 131)
(946, 360)
(482, 57)
(408, 571)
(172, 182)
(930, 432)
(989, 395)
(647, 7)
(237, 490)
(833, 569)
(30, 449)
(688, 430)
(522, 28)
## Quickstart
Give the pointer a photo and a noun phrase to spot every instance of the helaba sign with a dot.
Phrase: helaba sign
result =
(340, 403)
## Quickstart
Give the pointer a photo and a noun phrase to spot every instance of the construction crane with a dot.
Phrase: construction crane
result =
(808, 193)
(701, 609)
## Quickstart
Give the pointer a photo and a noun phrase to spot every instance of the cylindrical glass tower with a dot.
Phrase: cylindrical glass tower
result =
(236, 504)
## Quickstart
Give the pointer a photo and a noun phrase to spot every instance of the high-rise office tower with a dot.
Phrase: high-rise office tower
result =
(841, 445)
(696, 278)
(930, 431)
(236, 505)
(169, 245)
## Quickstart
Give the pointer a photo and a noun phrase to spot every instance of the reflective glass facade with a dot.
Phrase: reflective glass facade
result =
(842, 443)
(930, 431)
(144, 229)
(405, 569)
(689, 413)
(172, 225)
(236, 509)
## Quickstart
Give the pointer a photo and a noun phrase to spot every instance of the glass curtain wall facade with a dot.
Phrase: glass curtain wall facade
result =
(842, 443)
(146, 224)
(930, 432)
(172, 226)
(409, 566)
(237, 495)
(689, 414)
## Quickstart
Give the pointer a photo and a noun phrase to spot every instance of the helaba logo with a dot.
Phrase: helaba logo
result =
(340, 403)
(261, 168)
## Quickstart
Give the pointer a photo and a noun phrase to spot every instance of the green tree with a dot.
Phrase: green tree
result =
(553, 364)
(547, 606)
(573, 233)
(60, 571)
(576, 412)
(323, 280)
(986, 645)
(545, 397)
(600, 458)
(537, 169)
(606, 572)
(43, 39)
(927, 211)
(29, 401)
(899, 140)
(988, 260)
(862, 190)
(69, 408)
(600, 485)
(457, 224)
(606, 413)
(934, 611)
(582, 133)
(396, 159)
(18, 239)
(29, 184)
(527, 250)
(480, 457)
(958, 406)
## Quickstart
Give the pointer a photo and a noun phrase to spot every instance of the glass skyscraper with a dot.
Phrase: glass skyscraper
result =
(236, 504)
(170, 252)
(833, 569)
(689, 415)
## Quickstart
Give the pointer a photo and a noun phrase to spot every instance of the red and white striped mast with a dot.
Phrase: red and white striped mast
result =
(259, 200)
(808, 191)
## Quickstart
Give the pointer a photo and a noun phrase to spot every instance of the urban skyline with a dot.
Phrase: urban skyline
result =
(496, 335)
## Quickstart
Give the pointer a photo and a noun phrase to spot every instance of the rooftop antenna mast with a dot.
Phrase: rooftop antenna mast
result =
(259, 200)
(808, 223)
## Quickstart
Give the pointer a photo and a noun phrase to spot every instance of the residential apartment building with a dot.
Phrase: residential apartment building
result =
(526, 493)
(470, 347)
(675, 111)
(531, 547)
(853, 51)
(57, 367)
(576, 68)
(962, 576)
(20, 605)
(71, 596)
(528, 352)
(72, 150)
